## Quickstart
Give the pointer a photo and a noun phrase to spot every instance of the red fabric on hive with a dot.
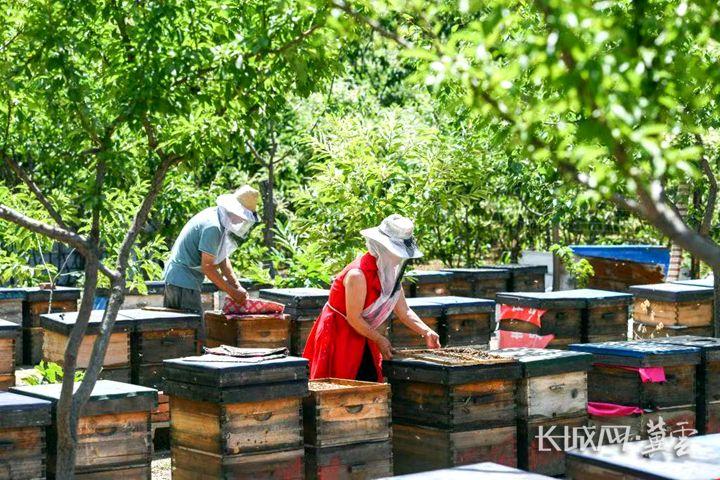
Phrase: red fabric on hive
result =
(647, 374)
(599, 409)
(334, 348)
(252, 306)
(509, 339)
(530, 315)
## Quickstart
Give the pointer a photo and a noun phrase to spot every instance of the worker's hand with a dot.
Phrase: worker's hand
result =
(240, 295)
(384, 346)
(432, 340)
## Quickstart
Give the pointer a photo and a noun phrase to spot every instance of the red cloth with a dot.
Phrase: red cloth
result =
(647, 374)
(530, 315)
(334, 348)
(599, 409)
(251, 306)
(507, 339)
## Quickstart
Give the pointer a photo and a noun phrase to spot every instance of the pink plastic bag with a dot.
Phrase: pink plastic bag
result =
(518, 339)
(599, 409)
(647, 374)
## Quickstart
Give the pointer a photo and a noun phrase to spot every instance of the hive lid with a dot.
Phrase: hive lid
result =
(517, 268)
(7, 326)
(36, 294)
(107, 397)
(450, 366)
(701, 282)
(594, 297)
(453, 305)
(478, 273)
(545, 300)
(427, 276)
(544, 361)
(143, 320)
(640, 353)
(64, 322)
(17, 411)
(705, 343)
(672, 292)
(12, 294)
(424, 306)
(297, 297)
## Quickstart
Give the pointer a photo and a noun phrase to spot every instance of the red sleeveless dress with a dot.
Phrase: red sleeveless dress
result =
(334, 348)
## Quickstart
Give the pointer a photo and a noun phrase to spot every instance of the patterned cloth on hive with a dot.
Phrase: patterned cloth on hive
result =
(227, 353)
(252, 306)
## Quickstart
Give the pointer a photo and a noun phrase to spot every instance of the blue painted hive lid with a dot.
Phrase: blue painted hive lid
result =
(640, 353)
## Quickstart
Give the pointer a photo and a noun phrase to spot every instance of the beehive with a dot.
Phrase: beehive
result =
(249, 331)
(651, 331)
(22, 436)
(465, 321)
(9, 335)
(347, 429)
(478, 282)
(38, 302)
(114, 439)
(551, 394)
(701, 461)
(401, 336)
(707, 380)
(303, 305)
(11, 308)
(524, 278)
(237, 418)
(606, 315)
(673, 304)
(58, 326)
(452, 407)
(426, 283)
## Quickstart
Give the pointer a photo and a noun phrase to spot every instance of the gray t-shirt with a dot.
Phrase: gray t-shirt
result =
(201, 234)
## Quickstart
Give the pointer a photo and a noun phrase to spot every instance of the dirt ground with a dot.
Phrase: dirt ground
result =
(161, 465)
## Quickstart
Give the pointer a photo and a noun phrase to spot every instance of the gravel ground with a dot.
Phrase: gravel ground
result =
(161, 465)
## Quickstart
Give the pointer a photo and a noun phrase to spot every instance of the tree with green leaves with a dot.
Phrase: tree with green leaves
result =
(102, 101)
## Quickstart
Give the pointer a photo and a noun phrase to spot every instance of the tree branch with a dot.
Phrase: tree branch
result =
(56, 233)
(372, 23)
(255, 153)
(712, 197)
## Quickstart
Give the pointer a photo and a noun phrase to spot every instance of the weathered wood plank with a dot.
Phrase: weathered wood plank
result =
(360, 461)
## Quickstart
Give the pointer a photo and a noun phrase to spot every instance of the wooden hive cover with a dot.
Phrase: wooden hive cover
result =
(64, 322)
(36, 294)
(297, 298)
(600, 298)
(427, 276)
(425, 307)
(18, 411)
(544, 300)
(453, 305)
(640, 353)
(709, 346)
(544, 361)
(108, 397)
(516, 268)
(450, 366)
(9, 329)
(700, 282)
(672, 292)
(13, 294)
(144, 320)
(478, 273)
(702, 461)
(478, 471)
(213, 378)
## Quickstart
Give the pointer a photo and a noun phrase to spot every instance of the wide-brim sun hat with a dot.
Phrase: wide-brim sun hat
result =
(395, 233)
(239, 202)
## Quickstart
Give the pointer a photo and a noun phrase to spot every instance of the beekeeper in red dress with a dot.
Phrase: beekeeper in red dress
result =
(345, 341)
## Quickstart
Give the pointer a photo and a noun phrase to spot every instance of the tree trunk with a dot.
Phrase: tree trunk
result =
(557, 265)
(268, 194)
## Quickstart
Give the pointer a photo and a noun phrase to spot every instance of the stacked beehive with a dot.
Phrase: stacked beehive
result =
(237, 417)
(247, 331)
(400, 334)
(606, 315)
(478, 282)
(22, 436)
(552, 394)
(426, 283)
(524, 278)
(452, 407)
(37, 302)
(465, 321)
(707, 380)
(347, 430)
(113, 430)
(9, 335)
(303, 305)
(621, 376)
(11, 310)
(670, 309)
(116, 365)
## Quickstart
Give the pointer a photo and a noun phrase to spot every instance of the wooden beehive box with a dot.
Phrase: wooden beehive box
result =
(551, 393)
(38, 302)
(673, 304)
(606, 315)
(58, 326)
(426, 283)
(429, 312)
(9, 335)
(451, 407)
(303, 305)
(478, 282)
(156, 336)
(563, 316)
(359, 461)
(650, 331)
(114, 439)
(465, 321)
(249, 331)
(637, 425)
(707, 380)
(524, 278)
(249, 413)
(22, 436)
(610, 382)
(700, 462)
(11, 308)
(484, 471)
